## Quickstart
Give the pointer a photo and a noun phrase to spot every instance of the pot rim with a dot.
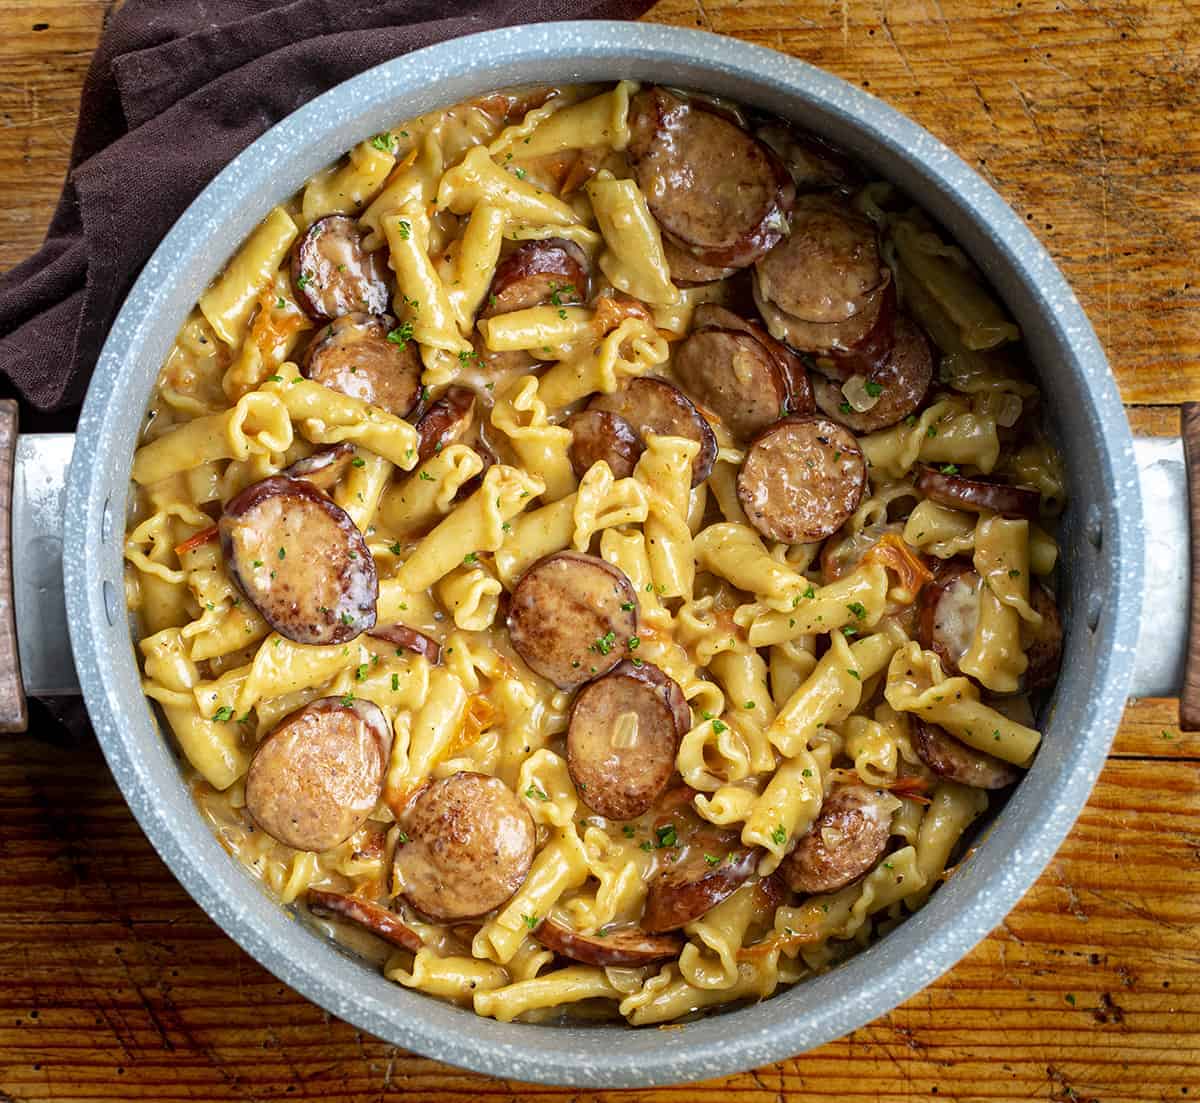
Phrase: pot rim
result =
(1023, 838)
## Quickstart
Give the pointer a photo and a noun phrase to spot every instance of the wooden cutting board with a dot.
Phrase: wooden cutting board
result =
(1086, 117)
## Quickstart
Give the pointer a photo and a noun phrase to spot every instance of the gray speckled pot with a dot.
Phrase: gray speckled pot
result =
(1102, 554)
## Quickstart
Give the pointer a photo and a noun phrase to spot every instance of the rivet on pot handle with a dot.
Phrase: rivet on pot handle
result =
(1189, 696)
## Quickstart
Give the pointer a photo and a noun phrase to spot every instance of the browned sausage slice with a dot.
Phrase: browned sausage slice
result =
(709, 871)
(467, 848)
(300, 560)
(550, 271)
(948, 611)
(624, 731)
(733, 376)
(950, 758)
(447, 420)
(859, 344)
(625, 946)
(802, 479)
(408, 639)
(847, 838)
(900, 382)
(334, 275)
(324, 467)
(571, 617)
(1043, 644)
(603, 435)
(720, 193)
(687, 271)
(655, 406)
(977, 495)
(795, 376)
(353, 355)
(827, 266)
(317, 777)
(373, 917)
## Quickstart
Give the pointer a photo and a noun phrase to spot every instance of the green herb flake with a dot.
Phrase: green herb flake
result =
(627, 831)
(223, 714)
(858, 609)
(666, 836)
(360, 672)
(873, 389)
(604, 644)
(348, 700)
(646, 846)
(810, 592)
(634, 643)
(382, 142)
(1070, 999)
(719, 726)
(845, 407)
(402, 838)
(748, 705)
(1014, 573)
(931, 432)
(358, 461)
(530, 921)
(402, 334)
(854, 674)
(713, 859)
(779, 835)
(395, 683)
(425, 477)
(283, 553)
(949, 469)
(303, 280)
(470, 558)
(535, 793)
(404, 228)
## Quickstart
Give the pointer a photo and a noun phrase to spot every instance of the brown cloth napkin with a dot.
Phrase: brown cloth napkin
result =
(174, 91)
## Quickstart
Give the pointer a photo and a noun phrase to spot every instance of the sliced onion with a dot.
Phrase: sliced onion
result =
(855, 390)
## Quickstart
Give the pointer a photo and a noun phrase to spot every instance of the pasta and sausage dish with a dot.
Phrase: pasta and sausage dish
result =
(593, 549)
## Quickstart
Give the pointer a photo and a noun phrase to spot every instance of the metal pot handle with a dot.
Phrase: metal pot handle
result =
(14, 716)
(1189, 695)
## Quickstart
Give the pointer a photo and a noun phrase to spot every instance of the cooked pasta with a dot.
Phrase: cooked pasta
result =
(577, 597)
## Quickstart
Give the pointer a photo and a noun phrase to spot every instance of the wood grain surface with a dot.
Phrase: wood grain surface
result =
(114, 986)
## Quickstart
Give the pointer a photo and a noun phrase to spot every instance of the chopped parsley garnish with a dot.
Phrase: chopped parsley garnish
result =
(360, 672)
(280, 303)
(347, 618)
(1014, 573)
(810, 592)
(931, 432)
(283, 553)
(395, 548)
(873, 389)
(535, 793)
(382, 142)
(358, 461)
(470, 557)
(425, 477)
(519, 173)
(634, 643)
(713, 859)
(949, 469)
(604, 644)
(854, 674)
(627, 830)
(748, 705)
(911, 420)
(858, 609)
(779, 835)
(404, 229)
(845, 407)
(719, 726)
(348, 700)
(223, 714)
(628, 606)
(402, 334)
(647, 845)
(395, 683)
(402, 837)
(666, 836)
(530, 921)
(303, 281)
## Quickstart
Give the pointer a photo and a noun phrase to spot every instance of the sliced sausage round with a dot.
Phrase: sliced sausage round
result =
(709, 316)
(324, 467)
(653, 405)
(300, 560)
(948, 611)
(802, 479)
(710, 870)
(733, 376)
(687, 271)
(380, 921)
(550, 271)
(902, 380)
(571, 617)
(625, 946)
(317, 777)
(719, 192)
(978, 495)
(1043, 644)
(859, 344)
(603, 435)
(951, 758)
(446, 420)
(408, 639)
(624, 731)
(845, 841)
(333, 274)
(469, 846)
(828, 265)
(354, 356)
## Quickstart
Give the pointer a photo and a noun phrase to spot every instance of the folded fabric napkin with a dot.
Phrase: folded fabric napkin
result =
(173, 93)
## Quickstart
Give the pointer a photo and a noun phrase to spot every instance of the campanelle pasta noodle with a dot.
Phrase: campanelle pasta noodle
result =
(516, 593)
